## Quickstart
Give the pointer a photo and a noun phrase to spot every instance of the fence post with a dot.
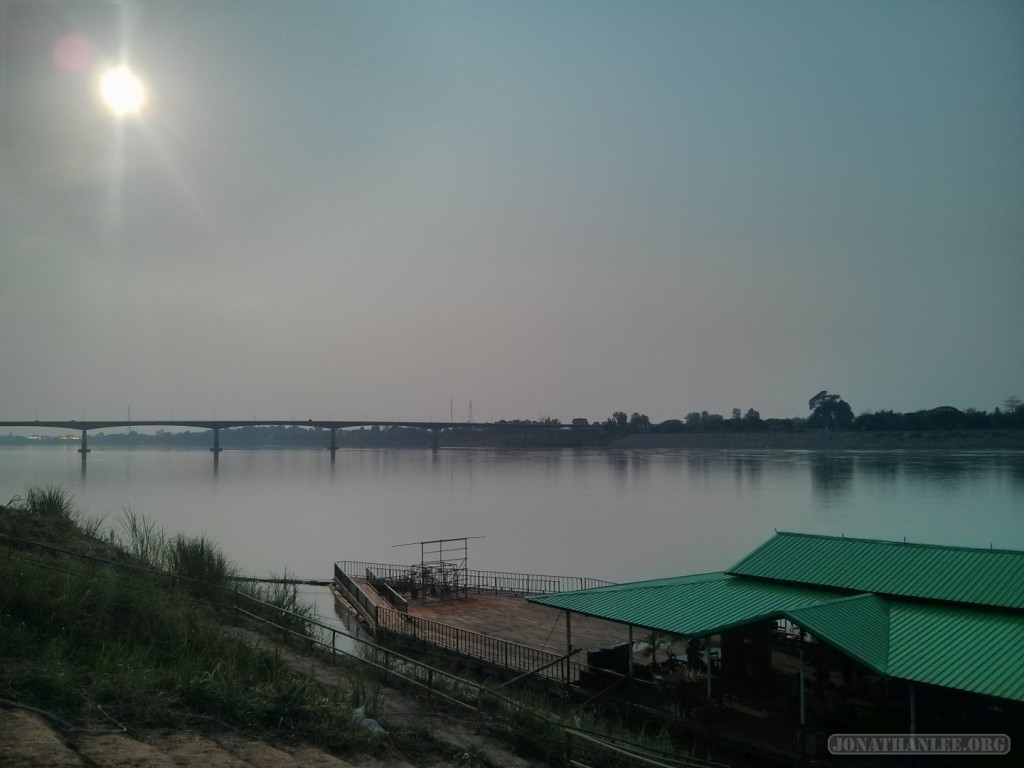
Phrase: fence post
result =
(334, 647)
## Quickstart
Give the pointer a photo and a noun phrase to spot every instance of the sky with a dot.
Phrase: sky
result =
(389, 210)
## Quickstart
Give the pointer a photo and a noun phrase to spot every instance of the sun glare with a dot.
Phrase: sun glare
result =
(122, 91)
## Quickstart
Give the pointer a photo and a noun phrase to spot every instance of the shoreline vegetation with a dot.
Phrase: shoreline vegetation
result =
(118, 641)
(126, 627)
(830, 426)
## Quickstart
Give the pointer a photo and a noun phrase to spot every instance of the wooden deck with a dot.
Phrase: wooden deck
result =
(512, 619)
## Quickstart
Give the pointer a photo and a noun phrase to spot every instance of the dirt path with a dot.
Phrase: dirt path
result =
(30, 740)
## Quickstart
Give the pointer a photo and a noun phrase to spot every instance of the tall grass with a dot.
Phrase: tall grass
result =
(143, 541)
(76, 635)
(200, 560)
(47, 511)
(52, 503)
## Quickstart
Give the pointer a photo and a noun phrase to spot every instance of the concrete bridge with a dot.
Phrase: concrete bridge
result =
(216, 425)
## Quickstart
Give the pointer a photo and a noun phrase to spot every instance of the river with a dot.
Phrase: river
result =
(615, 515)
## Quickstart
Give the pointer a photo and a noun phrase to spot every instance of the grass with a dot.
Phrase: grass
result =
(145, 646)
(88, 641)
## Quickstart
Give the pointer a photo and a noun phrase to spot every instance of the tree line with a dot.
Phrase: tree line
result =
(828, 411)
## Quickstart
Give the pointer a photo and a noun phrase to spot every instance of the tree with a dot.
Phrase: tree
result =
(638, 422)
(829, 412)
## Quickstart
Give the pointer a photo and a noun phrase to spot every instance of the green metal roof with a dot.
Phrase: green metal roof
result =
(828, 587)
(988, 577)
(693, 606)
(858, 626)
(956, 647)
(969, 649)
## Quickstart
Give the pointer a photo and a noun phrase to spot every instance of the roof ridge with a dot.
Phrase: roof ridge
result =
(891, 541)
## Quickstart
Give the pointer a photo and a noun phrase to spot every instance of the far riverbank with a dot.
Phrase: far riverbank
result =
(996, 440)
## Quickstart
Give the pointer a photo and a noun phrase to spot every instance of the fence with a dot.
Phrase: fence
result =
(480, 647)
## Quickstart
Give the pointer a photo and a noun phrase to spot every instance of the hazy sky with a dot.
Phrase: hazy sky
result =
(357, 209)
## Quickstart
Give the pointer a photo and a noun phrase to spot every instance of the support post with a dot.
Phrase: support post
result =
(707, 663)
(803, 696)
(334, 442)
(85, 445)
(433, 445)
(630, 651)
(216, 441)
(568, 644)
(913, 711)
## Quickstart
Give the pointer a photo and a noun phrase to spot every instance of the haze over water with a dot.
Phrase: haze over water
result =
(615, 515)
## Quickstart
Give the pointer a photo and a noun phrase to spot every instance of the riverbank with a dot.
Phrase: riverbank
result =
(106, 660)
(1002, 440)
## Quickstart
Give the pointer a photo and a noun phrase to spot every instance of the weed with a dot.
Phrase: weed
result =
(145, 542)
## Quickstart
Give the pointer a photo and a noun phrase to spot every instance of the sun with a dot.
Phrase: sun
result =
(122, 91)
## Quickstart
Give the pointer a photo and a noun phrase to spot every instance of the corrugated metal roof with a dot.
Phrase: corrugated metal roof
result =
(990, 577)
(858, 626)
(693, 606)
(827, 586)
(964, 648)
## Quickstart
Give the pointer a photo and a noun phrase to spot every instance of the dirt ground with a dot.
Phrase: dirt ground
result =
(31, 740)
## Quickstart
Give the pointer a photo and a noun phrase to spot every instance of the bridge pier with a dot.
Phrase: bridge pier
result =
(85, 445)
(433, 445)
(333, 447)
(216, 442)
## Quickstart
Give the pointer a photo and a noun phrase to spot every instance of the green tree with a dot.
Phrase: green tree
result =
(829, 412)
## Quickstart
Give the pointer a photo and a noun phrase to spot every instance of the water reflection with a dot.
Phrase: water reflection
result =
(608, 514)
(618, 467)
(831, 476)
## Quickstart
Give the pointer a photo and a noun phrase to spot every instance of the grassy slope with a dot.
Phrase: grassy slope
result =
(89, 642)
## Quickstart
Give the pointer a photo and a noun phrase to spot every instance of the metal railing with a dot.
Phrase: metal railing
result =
(385, 590)
(355, 595)
(483, 581)
(480, 647)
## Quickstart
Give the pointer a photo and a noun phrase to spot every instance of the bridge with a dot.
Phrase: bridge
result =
(333, 425)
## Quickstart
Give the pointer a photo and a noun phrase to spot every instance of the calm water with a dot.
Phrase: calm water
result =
(614, 515)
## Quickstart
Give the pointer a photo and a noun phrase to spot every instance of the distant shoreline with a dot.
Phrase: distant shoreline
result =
(982, 440)
(808, 440)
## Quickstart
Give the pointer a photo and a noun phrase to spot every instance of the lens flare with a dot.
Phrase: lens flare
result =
(72, 53)
(122, 91)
